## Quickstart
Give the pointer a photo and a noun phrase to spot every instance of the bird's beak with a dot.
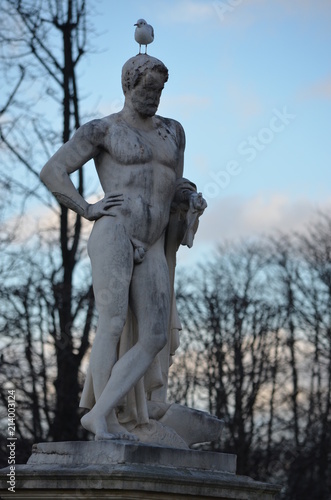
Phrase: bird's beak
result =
(135, 24)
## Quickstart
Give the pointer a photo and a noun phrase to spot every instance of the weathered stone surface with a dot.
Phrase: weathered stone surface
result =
(133, 482)
(155, 432)
(147, 211)
(130, 471)
(79, 453)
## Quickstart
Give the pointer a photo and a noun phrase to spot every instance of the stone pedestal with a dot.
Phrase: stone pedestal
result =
(122, 470)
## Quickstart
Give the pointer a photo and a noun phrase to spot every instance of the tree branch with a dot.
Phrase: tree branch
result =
(12, 95)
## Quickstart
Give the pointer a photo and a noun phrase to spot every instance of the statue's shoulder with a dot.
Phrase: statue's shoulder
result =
(93, 131)
(174, 127)
(170, 123)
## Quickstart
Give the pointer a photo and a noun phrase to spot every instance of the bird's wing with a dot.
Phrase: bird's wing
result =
(152, 31)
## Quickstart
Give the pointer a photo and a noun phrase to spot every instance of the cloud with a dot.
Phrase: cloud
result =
(225, 11)
(304, 7)
(318, 90)
(239, 13)
(236, 217)
(187, 11)
(45, 222)
(228, 219)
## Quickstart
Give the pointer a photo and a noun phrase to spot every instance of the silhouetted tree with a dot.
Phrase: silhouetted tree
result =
(256, 351)
(230, 322)
(48, 306)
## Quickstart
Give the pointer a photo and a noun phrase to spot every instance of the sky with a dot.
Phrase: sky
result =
(250, 81)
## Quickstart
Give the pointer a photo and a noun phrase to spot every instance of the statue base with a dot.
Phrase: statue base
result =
(123, 470)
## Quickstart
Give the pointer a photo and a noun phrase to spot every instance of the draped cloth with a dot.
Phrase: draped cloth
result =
(132, 410)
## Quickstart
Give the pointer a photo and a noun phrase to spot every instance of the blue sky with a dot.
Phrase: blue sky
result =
(250, 81)
(235, 67)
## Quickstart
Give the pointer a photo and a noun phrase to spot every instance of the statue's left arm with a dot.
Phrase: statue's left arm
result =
(187, 202)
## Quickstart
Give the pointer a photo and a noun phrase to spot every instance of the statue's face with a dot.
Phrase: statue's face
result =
(145, 97)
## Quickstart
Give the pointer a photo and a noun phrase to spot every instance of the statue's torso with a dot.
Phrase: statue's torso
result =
(141, 166)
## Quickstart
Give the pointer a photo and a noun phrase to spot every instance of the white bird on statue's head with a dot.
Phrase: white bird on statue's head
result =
(144, 34)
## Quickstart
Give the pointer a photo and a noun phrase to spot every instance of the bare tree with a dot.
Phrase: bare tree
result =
(256, 351)
(46, 39)
(230, 320)
(314, 284)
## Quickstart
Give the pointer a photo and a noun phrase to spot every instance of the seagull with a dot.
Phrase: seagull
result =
(144, 34)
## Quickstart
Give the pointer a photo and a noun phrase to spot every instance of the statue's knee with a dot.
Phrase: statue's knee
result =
(111, 325)
(116, 325)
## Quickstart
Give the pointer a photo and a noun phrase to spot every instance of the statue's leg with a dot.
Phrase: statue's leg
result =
(150, 303)
(111, 257)
(150, 299)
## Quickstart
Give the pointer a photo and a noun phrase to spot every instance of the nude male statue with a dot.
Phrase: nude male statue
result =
(139, 160)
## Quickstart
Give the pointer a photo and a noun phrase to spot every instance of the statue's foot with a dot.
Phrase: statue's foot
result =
(118, 431)
(98, 426)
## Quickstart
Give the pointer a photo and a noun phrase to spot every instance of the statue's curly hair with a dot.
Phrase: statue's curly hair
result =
(136, 67)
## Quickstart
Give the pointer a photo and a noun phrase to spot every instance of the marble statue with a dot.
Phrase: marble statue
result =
(147, 211)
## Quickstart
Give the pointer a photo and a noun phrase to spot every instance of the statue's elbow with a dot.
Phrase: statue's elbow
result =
(45, 174)
(42, 175)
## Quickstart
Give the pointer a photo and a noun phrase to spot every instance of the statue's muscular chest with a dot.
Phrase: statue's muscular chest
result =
(129, 146)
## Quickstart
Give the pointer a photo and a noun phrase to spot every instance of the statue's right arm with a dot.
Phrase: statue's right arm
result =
(83, 146)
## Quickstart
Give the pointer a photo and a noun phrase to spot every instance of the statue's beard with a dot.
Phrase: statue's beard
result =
(148, 114)
(147, 110)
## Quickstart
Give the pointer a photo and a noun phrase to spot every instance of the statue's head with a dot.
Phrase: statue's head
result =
(143, 79)
(137, 67)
